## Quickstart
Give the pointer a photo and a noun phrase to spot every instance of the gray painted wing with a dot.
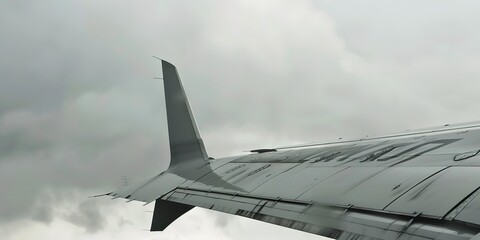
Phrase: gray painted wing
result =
(423, 185)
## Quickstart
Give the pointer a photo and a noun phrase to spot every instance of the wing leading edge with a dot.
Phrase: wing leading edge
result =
(415, 186)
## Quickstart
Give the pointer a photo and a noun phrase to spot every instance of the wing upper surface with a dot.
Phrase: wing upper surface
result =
(415, 185)
(370, 189)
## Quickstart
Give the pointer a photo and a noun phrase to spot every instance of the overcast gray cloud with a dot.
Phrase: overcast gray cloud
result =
(88, 216)
(79, 108)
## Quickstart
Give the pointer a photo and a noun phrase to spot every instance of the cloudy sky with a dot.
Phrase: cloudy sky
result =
(80, 110)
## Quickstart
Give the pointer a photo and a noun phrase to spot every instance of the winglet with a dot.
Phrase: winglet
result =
(185, 142)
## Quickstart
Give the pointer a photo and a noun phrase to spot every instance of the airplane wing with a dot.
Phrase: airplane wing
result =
(418, 185)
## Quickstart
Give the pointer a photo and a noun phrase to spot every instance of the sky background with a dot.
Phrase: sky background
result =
(79, 107)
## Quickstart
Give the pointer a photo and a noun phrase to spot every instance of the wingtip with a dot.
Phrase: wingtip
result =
(163, 61)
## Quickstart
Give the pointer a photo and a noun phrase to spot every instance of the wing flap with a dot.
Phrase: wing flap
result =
(166, 212)
(339, 222)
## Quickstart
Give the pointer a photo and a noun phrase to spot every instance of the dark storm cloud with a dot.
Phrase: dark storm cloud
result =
(70, 112)
(48, 57)
(65, 154)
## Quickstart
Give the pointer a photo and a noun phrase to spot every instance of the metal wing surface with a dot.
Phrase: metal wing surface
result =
(416, 185)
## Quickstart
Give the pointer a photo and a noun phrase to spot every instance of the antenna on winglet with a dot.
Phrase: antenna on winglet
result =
(186, 145)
